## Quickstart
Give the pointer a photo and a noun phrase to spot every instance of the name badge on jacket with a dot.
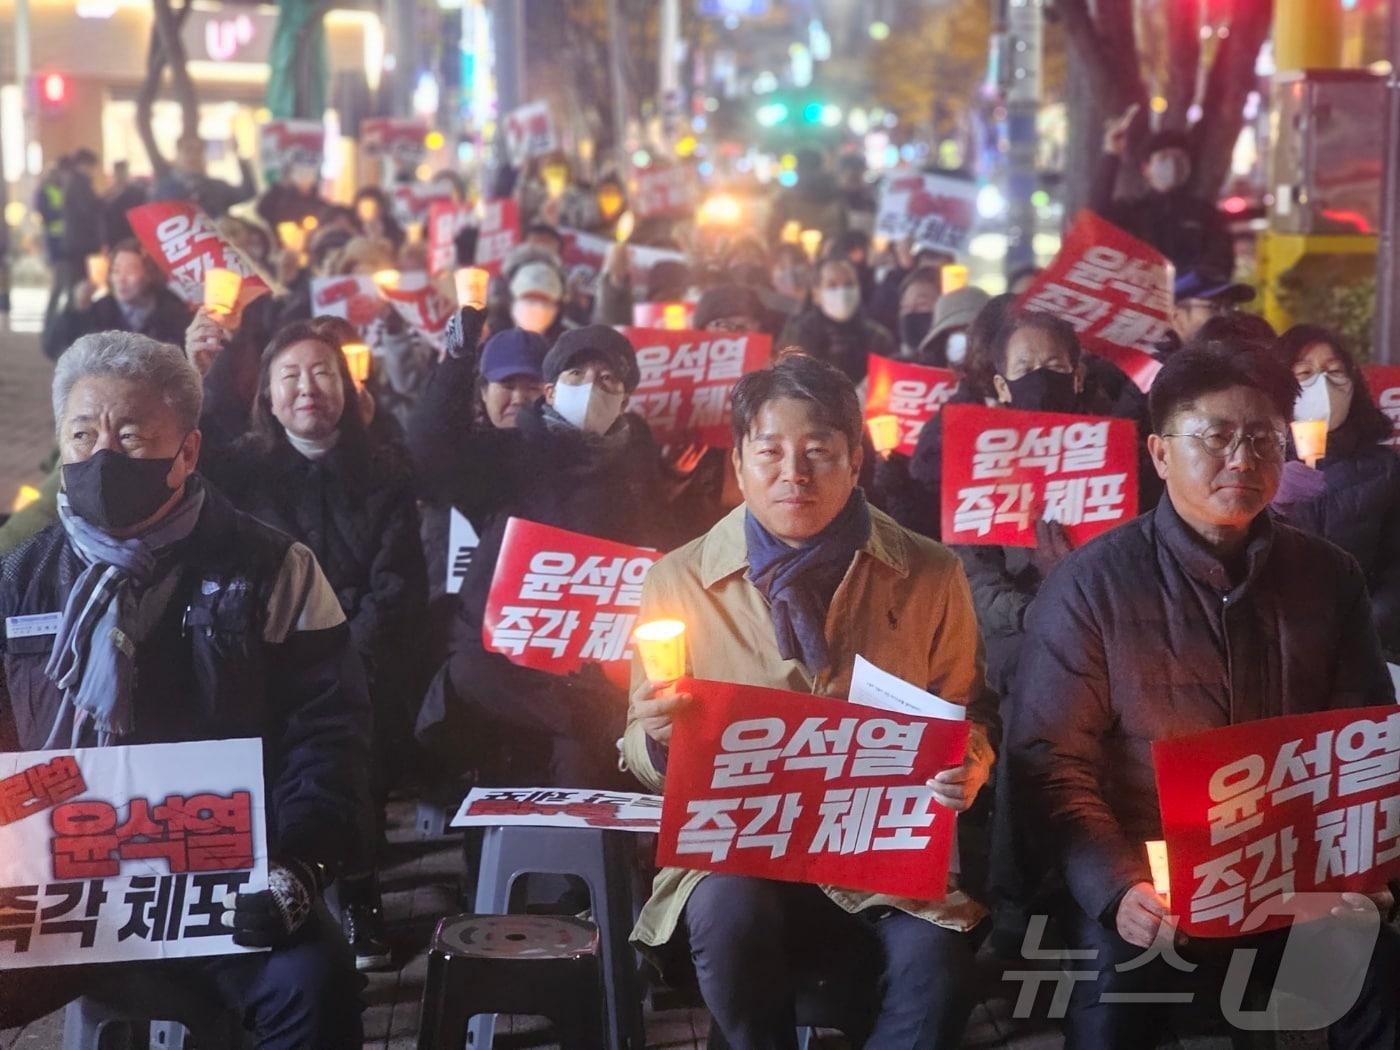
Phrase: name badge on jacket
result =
(32, 626)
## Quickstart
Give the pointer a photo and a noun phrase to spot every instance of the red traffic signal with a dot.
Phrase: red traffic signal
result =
(53, 89)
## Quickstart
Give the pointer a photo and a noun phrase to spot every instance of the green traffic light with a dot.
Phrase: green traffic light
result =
(812, 113)
(772, 113)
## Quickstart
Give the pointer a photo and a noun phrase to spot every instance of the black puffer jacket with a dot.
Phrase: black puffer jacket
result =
(1360, 512)
(250, 645)
(1143, 635)
(843, 344)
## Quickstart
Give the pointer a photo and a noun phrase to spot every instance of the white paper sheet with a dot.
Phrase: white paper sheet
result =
(876, 688)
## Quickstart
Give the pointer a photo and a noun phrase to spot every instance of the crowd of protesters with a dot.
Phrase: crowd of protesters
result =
(228, 472)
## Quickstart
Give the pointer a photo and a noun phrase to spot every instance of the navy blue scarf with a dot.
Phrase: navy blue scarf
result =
(799, 582)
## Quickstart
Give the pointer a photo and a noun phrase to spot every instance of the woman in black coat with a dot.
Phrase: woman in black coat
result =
(1352, 497)
(309, 467)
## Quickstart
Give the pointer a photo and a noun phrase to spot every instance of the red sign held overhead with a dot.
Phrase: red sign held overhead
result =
(1384, 381)
(500, 232)
(185, 246)
(1003, 469)
(688, 378)
(446, 219)
(911, 393)
(1115, 290)
(666, 191)
(803, 788)
(1300, 804)
(561, 599)
(934, 211)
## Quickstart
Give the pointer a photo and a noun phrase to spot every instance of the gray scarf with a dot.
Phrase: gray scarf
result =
(113, 605)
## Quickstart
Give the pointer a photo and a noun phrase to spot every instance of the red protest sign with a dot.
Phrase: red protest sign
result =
(282, 143)
(802, 788)
(687, 380)
(1384, 381)
(1115, 290)
(413, 201)
(500, 232)
(39, 787)
(446, 218)
(530, 132)
(1299, 804)
(561, 599)
(404, 138)
(185, 246)
(353, 297)
(911, 393)
(421, 305)
(1003, 468)
(667, 191)
(935, 211)
(586, 249)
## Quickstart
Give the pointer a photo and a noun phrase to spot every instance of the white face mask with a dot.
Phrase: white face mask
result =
(1324, 399)
(840, 303)
(533, 315)
(957, 348)
(588, 406)
(1166, 173)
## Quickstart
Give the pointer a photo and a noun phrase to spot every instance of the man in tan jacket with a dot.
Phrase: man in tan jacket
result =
(784, 593)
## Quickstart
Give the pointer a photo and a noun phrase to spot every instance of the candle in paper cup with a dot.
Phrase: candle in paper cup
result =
(221, 288)
(1157, 861)
(662, 647)
(310, 223)
(626, 223)
(357, 357)
(791, 232)
(292, 236)
(673, 316)
(954, 277)
(1310, 439)
(97, 267)
(884, 433)
(811, 240)
(385, 278)
(471, 282)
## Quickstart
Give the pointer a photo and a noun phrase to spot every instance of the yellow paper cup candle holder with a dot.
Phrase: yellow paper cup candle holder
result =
(471, 283)
(293, 237)
(221, 288)
(357, 358)
(884, 433)
(385, 279)
(1157, 864)
(811, 241)
(954, 276)
(661, 644)
(1310, 439)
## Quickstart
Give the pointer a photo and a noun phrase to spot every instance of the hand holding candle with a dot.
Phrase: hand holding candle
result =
(884, 433)
(221, 288)
(661, 644)
(357, 358)
(472, 283)
(1161, 874)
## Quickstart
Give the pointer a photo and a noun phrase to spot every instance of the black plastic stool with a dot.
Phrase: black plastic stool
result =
(513, 964)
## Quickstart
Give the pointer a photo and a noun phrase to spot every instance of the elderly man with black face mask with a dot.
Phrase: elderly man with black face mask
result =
(574, 460)
(1172, 216)
(144, 550)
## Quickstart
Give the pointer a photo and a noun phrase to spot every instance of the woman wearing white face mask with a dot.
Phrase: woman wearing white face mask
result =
(1352, 496)
(834, 328)
(536, 291)
(574, 460)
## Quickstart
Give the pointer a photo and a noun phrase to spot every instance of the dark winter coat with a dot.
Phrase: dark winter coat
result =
(1360, 512)
(166, 322)
(252, 644)
(844, 344)
(1190, 231)
(1142, 635)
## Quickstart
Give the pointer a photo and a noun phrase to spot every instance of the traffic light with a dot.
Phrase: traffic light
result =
(53, 92)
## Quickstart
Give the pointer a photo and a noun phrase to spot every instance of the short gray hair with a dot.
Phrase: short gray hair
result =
(135, 357)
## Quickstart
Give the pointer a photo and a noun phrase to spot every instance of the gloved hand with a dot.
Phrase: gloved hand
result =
(270, 917)
(463, 332)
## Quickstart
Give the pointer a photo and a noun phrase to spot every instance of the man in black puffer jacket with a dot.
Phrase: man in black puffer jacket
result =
(232, 632)
(575, 461)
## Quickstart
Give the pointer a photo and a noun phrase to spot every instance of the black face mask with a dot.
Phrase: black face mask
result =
(112, 491)
(1044, 390)
(913, 328)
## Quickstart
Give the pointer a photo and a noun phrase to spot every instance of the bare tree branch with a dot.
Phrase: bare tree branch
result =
(1183, 60)
(156, 60)
(1228, 84)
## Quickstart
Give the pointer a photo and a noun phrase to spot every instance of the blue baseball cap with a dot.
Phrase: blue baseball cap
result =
(513, 352)
(1203, 284)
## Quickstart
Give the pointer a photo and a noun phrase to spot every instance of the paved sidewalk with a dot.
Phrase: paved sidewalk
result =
(26, 418)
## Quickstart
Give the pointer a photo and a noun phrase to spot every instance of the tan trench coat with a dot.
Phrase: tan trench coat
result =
(904, 605)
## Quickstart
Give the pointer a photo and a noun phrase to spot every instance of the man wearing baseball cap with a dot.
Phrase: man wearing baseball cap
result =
(535, 293)
(574, 461)
(1201, 294)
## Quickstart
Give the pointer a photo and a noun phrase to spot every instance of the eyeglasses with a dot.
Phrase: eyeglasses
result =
(1336, 376)
(1267, 446)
